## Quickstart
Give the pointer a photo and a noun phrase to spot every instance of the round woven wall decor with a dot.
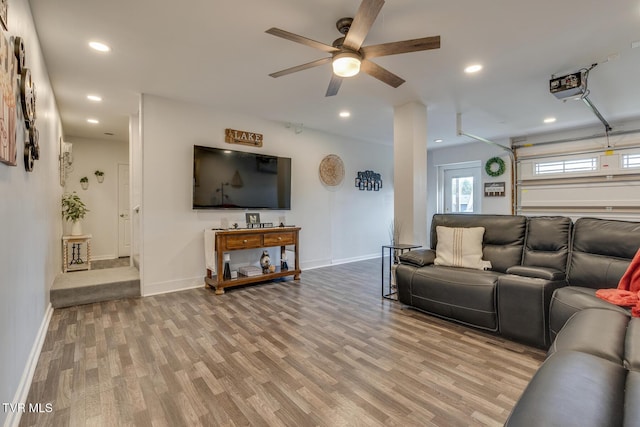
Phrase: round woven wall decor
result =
(331, 170)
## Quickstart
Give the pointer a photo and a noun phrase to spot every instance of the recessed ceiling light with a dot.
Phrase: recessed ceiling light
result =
(100, 47)
(473, 68)
(438, 140)
(549, 120)
(345, 114)
(93, 121)
(94, 98)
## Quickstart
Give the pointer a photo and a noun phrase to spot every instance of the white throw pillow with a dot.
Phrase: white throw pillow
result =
(460, 247)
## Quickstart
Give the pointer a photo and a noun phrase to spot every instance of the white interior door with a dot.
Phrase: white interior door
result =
(124, 223)
(461, 190)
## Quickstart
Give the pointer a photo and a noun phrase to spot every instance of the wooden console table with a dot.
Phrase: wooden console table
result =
(233, 240)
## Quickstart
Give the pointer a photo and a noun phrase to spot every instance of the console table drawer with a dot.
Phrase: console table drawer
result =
(244, 241)
(279, 239)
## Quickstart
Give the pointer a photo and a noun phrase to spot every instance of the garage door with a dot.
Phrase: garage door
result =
(598, 177)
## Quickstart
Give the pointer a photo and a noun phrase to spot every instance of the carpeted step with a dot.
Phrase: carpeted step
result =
(86, 287)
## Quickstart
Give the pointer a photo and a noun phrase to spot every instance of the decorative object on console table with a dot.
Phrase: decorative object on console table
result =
(283, 261)
(252, 219)
(331, 170)
(250, 271)
(265, 261)
(227, 269)
(393, 254)
(368, 180)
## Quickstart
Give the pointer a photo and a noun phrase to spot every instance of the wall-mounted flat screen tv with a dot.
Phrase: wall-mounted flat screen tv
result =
(226, 179)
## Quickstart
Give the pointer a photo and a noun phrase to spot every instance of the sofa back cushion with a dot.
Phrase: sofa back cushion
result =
(547, 242)
(503, 236)
(601, 251)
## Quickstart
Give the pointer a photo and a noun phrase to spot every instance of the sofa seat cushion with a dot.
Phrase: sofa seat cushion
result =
(632, 397)
(464, 295)
(600, 332)
(573, 389)
(568, 300)
(632, 346)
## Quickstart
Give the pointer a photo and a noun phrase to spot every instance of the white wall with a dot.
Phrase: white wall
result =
(30, 229)
(467, 153)
(101, 222)
(338, 224)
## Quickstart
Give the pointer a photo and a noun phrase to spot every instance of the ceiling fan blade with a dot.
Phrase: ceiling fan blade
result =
(301, 67)
(405, 46)
(364, 19)
(334, 85)
(302, 40)
(382, 74)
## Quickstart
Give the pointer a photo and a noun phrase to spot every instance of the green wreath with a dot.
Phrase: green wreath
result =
(488, 167)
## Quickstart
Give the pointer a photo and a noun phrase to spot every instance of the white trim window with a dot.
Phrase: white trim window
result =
(566, 166)
(630, 161)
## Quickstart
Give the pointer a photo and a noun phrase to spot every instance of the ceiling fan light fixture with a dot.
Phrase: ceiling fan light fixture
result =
(346, 64)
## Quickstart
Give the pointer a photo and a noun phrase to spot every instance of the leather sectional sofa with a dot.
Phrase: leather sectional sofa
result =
(591, 376)
(531, 258)
(541, 291)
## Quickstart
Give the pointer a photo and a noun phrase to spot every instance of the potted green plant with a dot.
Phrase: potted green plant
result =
(84, 182)
(99, 175)
(73, 209)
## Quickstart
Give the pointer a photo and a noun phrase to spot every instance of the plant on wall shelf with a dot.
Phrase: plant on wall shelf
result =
(73, 209)
(99, 175)
(84, 182)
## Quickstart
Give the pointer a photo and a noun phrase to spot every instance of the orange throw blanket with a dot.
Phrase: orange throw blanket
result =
(628, 292)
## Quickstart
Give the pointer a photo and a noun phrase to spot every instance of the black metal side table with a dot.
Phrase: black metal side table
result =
(392, 250)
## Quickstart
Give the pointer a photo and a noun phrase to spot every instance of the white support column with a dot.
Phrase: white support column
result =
(410, 171)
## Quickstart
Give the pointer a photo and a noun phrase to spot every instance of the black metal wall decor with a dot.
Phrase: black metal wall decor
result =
(369, 180)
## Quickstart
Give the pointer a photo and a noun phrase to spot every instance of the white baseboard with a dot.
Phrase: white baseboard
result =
(13, 418)
(310, 265)
(172, 286)
(103, 257)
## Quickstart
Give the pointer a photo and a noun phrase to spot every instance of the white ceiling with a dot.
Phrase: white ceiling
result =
(217, 53)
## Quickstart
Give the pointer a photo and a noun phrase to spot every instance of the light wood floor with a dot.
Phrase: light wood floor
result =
(325, 351)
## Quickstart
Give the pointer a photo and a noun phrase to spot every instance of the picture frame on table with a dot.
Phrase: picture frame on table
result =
(252, 218)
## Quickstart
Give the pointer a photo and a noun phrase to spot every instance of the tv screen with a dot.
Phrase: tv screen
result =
(226, 179)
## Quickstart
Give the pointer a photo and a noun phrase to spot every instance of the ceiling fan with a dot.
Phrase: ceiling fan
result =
(348, 56)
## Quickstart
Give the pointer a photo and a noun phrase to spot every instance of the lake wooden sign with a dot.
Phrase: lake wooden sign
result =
(233, 136)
